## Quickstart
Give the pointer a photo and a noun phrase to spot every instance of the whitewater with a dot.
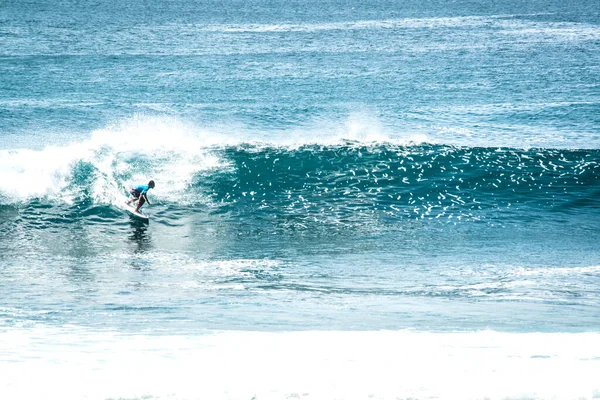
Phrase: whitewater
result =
(353, 200)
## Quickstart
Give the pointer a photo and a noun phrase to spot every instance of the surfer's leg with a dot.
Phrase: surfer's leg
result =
(135, 194)
(140, 203)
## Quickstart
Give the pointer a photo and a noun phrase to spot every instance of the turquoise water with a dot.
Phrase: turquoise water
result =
(353, 200)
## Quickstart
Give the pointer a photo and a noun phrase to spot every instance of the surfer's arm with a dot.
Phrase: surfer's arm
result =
(146, 198)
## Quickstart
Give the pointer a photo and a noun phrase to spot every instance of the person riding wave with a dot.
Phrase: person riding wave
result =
(139, 193)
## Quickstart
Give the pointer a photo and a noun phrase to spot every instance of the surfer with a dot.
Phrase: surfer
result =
(139, 193)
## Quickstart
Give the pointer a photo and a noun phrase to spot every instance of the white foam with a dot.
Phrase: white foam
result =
(511, 25)
(74, 363)
(173, 154)
(544, 31)
(28, 173)
(556, 271)
(412, 23)
(208, 275)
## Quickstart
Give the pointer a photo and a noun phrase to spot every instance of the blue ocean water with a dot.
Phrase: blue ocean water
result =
(353, 200)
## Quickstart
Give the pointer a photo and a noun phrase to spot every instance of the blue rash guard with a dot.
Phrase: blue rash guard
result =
(142, 189)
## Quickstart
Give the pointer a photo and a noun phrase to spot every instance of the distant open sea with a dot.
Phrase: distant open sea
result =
(375, 199)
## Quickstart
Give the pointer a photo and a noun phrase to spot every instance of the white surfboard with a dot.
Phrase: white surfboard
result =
(131, 211)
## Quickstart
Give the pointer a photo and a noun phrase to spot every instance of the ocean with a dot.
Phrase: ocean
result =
(354, 199)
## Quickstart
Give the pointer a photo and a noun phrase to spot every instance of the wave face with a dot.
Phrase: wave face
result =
(341, 182)
(391, 182)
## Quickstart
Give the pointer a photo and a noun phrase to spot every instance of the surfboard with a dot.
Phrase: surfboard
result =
(131, 211)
